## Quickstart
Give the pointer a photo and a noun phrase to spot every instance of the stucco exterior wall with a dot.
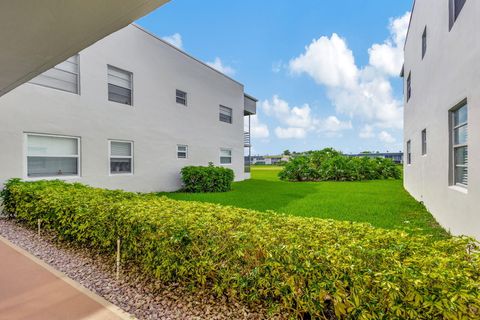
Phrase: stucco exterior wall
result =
(155, 122)
(448, 74)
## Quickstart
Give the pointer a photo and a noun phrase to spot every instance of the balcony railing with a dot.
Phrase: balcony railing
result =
(246, 139)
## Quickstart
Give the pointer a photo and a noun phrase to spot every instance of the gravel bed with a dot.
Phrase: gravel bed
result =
(142, 298)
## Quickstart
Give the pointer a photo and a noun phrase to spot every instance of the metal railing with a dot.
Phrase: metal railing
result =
(246, 139)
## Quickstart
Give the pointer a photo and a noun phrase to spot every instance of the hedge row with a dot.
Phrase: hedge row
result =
(303, 267)
(207, 179)
(330, 165)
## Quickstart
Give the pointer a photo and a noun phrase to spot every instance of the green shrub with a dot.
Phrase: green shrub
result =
(302, 267)
(207, 179)
(330, 165)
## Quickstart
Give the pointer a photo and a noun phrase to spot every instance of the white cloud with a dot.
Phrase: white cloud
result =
(367, 132)
(388, 57)
(175, 40)
(358, 92)
(298, 121)
(328, 61)
(258, 129)
(290, 133)
(218, 65)
(386, 137)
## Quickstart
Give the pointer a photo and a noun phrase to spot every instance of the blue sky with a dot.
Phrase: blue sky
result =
(325, 72)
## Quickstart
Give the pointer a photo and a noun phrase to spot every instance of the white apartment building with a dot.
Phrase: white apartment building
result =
(442, 111)
(126, 113)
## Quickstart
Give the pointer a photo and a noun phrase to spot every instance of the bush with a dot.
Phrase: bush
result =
(330, 165)
(207, 179)
(302, 267)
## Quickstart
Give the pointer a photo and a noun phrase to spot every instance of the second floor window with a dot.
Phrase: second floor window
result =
(225, 114)
(424, 42)
(64, 76)
(119, 85)
(181, 97)
(409, 86)
(456, 7)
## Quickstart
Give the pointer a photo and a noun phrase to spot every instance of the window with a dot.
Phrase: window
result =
(424, 142)
(52, 156)
(121, 157)
(182, 151)
(424, 42)
(225, 156)
(455, 7)
(119, 85)
(409, 152)
(225, 114)
(64, 76)
(181, 97)
(409, 86)
(459, 145)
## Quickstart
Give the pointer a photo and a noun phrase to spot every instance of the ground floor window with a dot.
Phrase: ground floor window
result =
(409, 152)
(459, 145)
(52, 156)
(121, 157)
(225, 156)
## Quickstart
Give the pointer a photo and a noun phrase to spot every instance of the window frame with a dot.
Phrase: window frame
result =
(454, 147)
(231, 156)
(120, 157)
(185, 99)
(424, 142)
(59, 177)
(186, 151)
(131, 84)
(409, 152)
(424, 42)
(77, 74)
(220, 114)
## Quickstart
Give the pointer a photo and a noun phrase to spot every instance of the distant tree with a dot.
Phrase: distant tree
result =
(286, 152)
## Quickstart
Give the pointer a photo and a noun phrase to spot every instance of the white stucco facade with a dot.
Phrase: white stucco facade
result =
(155, 122)
(448, 74)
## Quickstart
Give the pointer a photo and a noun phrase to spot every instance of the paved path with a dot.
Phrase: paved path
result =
(30, 289)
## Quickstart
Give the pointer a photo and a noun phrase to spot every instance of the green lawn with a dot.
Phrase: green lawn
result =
(382, 203)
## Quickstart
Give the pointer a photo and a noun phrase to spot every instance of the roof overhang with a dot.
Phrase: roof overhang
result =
(36, 35)
(250, 105)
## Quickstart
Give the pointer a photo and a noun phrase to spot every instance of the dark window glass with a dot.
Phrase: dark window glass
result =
(119, 94)
(120, 165)
(409, 86)
(181, 97)
(424, 42)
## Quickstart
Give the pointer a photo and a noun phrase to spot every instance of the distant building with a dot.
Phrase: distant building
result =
(269, 160)
(396, 157)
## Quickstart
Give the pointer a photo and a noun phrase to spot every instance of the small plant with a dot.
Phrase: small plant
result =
(330, 165)
(207, 179)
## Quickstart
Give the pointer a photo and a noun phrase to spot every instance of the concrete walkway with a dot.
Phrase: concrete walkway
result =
(30, 289)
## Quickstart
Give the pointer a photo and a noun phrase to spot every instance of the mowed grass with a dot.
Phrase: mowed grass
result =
(382, 203)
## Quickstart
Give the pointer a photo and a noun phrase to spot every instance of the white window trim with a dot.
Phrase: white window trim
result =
(220, 156)
(121, 157)
(131, 90)
(456, 146)
(186, 151)
(25, 157)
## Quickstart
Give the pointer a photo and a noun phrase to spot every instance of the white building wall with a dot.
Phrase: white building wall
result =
(155, 122)
(449, 73)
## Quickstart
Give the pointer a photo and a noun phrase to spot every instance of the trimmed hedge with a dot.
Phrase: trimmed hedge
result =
(303, 267)
(330, 165)
(207, 179)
